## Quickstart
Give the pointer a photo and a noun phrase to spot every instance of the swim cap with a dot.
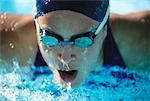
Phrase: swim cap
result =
(95, 9)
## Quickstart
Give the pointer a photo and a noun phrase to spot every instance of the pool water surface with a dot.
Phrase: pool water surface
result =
(36, 84)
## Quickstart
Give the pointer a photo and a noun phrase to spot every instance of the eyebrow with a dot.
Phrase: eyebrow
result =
(47, 29)
(55, 33)
(51, 31)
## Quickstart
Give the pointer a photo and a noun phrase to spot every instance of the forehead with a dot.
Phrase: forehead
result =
(65, 21)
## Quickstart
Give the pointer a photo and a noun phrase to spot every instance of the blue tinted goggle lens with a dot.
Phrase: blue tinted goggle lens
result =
(83, 42)
(50, 41)
(79, 42)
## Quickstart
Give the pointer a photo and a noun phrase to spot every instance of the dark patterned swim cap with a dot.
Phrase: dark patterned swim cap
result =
(94, 9)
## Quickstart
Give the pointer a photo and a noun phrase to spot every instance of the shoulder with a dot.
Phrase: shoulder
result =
(138, 17)
(133, 15)
(8, 21)
(136, 24)
(18, 30)
(132, 35)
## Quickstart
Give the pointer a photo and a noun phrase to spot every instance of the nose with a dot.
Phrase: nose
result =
(66, 55)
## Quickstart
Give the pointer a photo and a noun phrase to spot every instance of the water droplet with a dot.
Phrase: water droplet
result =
(12, 29)
(5, 17)
(65, 63)
(68, 86)
(2, 16)
(2, 22)
(29, 61)
(15, 64)
(6, 29)
(11, 45)
(85, 51)
(15, 25)
(46, 51)
(46, 1)
(55, 79)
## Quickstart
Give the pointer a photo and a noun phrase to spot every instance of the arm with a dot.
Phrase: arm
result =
(17, 39)
(132, 34)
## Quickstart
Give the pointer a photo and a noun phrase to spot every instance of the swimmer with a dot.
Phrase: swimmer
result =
(75, 37)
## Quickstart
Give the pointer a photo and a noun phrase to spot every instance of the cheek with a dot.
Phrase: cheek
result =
(93, 54)
(94, 50)
(49, 55)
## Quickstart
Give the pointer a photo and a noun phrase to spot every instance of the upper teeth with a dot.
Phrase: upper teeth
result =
(65, 70)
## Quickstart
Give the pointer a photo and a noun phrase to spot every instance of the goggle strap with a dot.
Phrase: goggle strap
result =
(43, 34)
(104, 21)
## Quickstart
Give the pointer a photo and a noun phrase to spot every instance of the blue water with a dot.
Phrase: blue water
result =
(103, 84)
(16, 6)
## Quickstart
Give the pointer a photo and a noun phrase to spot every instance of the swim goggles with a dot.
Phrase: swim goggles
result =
(81, 40)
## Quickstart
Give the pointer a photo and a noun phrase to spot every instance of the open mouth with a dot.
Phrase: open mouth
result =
(68, 76)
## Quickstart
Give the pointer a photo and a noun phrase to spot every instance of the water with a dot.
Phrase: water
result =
(36, 84)
(104, 84)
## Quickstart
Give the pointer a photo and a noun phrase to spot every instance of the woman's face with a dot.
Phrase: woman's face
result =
(69, 63)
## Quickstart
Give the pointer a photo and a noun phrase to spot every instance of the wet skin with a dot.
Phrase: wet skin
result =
(131, 33)
(66, 24)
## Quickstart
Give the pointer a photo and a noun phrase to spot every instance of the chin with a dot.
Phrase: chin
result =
(69, 79)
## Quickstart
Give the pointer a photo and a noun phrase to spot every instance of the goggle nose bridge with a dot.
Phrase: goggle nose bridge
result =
(66, 43)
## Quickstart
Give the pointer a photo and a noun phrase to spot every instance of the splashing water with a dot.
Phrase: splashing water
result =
(46, 1)
(65, 63)
(68, 86)
(50, 56)
(84, 66)
(104, 84)
(46, 51)
(11, 45)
